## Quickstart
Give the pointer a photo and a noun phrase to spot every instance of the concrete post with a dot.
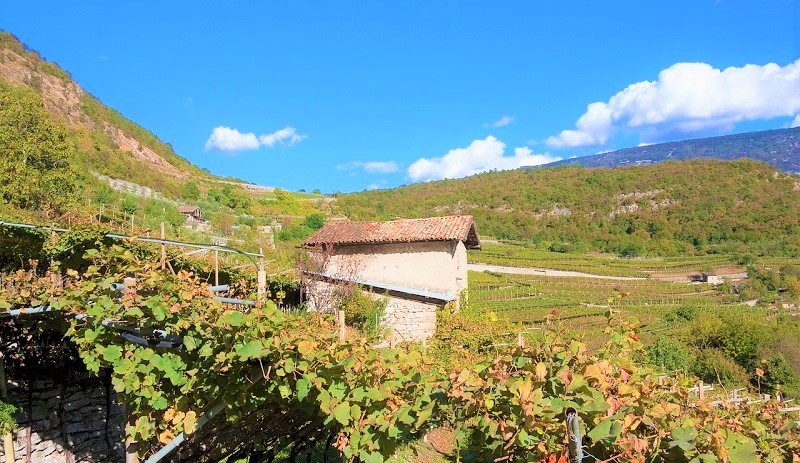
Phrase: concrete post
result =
(340, 322)
(163, 248)
(262, 279)
(216, 268)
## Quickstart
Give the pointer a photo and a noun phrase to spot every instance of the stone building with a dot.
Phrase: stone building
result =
(419, 264)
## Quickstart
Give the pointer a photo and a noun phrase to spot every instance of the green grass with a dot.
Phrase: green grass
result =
(516, 255)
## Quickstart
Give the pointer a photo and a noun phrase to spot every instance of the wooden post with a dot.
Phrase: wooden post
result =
(392, 337)
(164, 249)
(700, 393)
(8, 439)
(340, 322)
(520, 341)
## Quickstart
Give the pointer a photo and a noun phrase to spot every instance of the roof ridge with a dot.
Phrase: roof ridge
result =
(441, 228)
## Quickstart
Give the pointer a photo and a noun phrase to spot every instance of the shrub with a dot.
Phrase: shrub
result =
(686, 313)
(7, 421)
(713, 366)
(669, 354)
(362, 311)
(778, 373)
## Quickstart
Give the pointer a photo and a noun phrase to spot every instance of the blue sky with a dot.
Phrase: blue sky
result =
(344, 96)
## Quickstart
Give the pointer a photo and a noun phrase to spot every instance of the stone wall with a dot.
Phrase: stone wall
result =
(58, 423)
(413, 321)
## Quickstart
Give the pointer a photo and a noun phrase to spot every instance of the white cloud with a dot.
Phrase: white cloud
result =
(502, 122)
(796, 121)
(228, 139)
(372, 167)
(381, 167)
(479, 156)
(231, 140)
(373, 186)
(689, 98)
(284, 136)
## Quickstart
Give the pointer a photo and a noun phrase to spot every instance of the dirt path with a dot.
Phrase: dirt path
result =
(542, 271)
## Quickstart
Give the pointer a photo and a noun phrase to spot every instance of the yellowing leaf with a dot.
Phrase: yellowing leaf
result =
(541, 371)
(189, 421)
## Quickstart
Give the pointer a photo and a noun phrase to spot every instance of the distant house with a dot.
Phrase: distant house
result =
(419, 264)
(192, 213)
(712, 278)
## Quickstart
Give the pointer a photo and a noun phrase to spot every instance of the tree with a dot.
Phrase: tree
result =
(315, 221)
(35, 172)
(233, 197)
(190, 190)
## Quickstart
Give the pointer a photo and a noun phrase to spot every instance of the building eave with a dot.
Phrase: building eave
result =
(391, 290)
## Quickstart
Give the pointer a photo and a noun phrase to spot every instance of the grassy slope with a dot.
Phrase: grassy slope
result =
(666, 209)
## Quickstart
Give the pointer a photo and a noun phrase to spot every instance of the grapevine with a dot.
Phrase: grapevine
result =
(287, 383)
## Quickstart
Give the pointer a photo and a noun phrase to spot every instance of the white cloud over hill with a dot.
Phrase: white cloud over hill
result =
(479, 156)
(231, 140)
(371, 167)
(690, 98)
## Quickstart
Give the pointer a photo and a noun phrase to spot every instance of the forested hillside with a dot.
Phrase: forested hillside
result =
(779, 148)
(666, 209)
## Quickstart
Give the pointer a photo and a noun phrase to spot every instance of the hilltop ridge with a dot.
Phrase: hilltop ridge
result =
(779, 148)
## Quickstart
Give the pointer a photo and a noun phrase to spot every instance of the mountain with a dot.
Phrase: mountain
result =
(669, 208)
(105, 142)
(778, 148)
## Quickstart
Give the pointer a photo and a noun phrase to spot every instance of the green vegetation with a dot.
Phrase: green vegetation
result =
(363, 312)
(290, 387)
(669, 209)
(531, 298)
(696, 329)
(7, 422)
(35, 170)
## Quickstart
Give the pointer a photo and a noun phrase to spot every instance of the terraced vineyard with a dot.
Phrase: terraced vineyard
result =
(515, 255)
(580, 303)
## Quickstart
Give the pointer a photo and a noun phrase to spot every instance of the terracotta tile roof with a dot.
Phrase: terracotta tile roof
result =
(453, 227)
(187, 209)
